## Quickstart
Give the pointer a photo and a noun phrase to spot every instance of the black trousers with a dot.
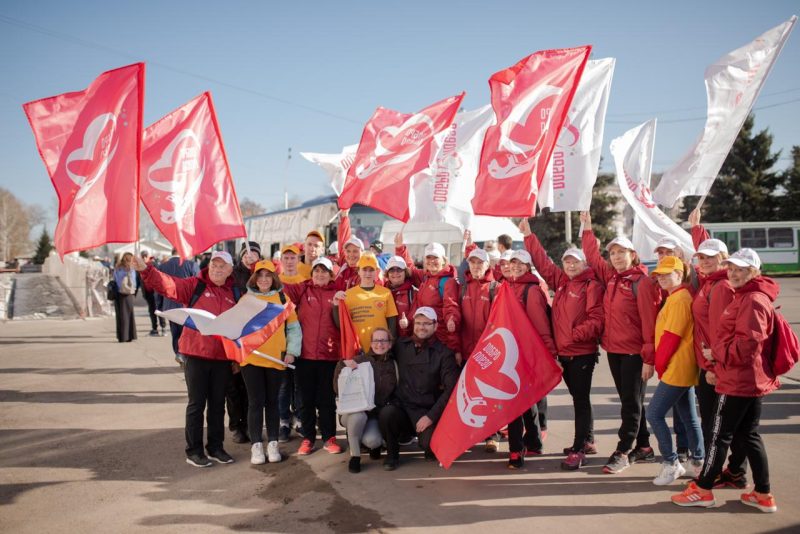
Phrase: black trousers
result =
(626, 369)
(125, 320)
(578, 372)
(736, 420)
(236, 403)
(315, 380)
(541, 407)
(176, 330)
(707, 399)
(155, 320)
(532, 438)
(395, 423)
(263, 384)
(205, 383)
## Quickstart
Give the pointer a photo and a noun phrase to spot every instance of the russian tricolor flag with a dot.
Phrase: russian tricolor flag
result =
(242, 329)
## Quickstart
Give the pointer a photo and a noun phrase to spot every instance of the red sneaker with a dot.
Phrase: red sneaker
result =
(530, 453)
(515, 460)
(306, 448)
(693, 495)
(765, 504)
(332, 447)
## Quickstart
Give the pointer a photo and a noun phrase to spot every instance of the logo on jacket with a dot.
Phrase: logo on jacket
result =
(495, 360)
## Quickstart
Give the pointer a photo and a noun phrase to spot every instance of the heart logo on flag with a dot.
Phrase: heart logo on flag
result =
(496, 359)
(397, 144)
(179, 172)
(86, 164)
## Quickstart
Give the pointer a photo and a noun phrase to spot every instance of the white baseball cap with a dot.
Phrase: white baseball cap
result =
(522, 256)
(745, 257)
(712, 247)
(667, 242)
(224, 256)
(493, 254)
(426, 311)
(480, 254)
(334, 248)
(325, 262)
(505, 256)
(396, 262)
(575, 253)
(621, 241)
(435, 249)
(354, 241)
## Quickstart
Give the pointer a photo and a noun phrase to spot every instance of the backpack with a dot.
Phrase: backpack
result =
(237, 294)
(112, 290)
(785, 346)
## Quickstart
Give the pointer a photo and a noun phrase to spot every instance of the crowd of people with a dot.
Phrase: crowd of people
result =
(704, 327)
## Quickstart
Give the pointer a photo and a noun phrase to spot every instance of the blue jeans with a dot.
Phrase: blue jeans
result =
(682, 400)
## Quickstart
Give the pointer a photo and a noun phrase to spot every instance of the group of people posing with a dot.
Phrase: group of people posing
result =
(706, 330)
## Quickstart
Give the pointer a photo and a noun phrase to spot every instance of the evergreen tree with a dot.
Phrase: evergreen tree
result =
(745, 189)
(43, 248)
(549, 227)
(790, 202)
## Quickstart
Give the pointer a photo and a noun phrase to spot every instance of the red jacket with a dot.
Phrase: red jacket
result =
(405, 302)
(315, 312)
(629, 324)
(475, 306)
(577, 304)
(714, 295)
(215, 299)
(744, 341)
(536, 307)
(446, 305)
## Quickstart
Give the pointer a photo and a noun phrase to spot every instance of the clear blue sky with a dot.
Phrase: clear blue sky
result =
(307, 75)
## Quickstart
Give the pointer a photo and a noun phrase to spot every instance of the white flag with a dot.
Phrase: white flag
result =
(572, 172)
(633, 158)
(732, 86)
(444, 191)
(336, 165)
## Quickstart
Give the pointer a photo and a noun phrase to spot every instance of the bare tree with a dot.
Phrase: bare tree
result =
(15, 227)
(251, 207)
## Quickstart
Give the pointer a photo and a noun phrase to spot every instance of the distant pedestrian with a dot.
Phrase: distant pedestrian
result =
(125, 277)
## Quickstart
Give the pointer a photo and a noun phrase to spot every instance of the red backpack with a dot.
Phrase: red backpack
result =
(786, 346)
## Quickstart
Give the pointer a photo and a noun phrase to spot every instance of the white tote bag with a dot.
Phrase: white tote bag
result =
(356, 389)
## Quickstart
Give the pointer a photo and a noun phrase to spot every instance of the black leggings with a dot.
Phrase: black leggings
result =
(578, 371)
(707, 399)
(315, 382)
(736, 420)
(532, 438)
(263, 384)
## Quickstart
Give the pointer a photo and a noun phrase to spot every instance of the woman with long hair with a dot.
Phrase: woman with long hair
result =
(125, 278)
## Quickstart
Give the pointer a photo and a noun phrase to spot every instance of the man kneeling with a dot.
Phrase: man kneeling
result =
(427, 374)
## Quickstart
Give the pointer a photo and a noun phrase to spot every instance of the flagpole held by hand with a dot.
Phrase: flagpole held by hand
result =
(276, 360)
(700, 202)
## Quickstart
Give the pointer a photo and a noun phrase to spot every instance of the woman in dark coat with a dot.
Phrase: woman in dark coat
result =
(125, 277)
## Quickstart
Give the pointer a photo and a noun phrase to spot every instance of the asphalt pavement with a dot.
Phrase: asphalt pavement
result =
(91, 440)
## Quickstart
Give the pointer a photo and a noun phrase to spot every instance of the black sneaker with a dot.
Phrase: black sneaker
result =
(683, 454)
(153, 333)
(375, 454)
(239, 437)
(221, 457)
(726, 479)
(642, 455)
(284, 434)
(406, 440)
(390, 463)
(355, 464)
(516, 460)
(198, 460)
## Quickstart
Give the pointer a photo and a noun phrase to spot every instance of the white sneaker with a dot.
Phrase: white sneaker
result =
(272, 452)
(257, 454)
(669, 473)
(697, 467)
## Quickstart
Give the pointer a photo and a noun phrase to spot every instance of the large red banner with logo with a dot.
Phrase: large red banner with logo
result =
(507, 373)
(530, 102)
(186, 182)
(90, 142)
(394, 147)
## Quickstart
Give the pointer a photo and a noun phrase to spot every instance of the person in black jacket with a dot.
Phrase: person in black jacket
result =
(427, 373)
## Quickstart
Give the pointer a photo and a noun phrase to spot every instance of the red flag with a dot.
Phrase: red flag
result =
(394, 147)
(509, 371)
(186, 182)
(90, 142)
(530, 102)
(350, 343)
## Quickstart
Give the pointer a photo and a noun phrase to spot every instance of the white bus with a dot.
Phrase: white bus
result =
(775, 242)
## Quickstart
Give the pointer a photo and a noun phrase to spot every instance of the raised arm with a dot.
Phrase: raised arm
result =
(343, 233)
(178, 289)
(699, 233)
(549, 270)
(592, 250)
(401, 250)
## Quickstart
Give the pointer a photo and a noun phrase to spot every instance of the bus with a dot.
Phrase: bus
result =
(775, 242)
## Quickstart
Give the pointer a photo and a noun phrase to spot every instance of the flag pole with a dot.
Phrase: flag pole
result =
(568, 226)
(270, 358)
(700, 202)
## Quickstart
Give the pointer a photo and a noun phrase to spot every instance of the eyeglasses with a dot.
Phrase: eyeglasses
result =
(381, 341)
(424, 323)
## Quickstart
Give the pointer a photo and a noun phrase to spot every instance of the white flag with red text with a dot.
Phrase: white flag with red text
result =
(732, 86)
(570, 177)
(186, 182)
(395, 147)
(530, 102)
(633, 158)
(334, 165)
